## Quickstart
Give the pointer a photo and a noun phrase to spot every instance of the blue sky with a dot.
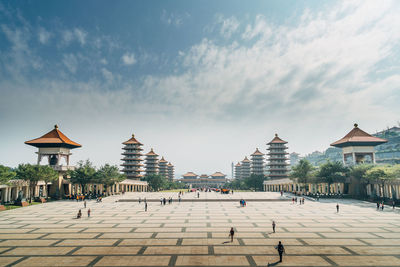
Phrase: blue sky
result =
(204, 83)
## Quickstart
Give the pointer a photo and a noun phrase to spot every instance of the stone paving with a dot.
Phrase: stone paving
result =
(196, 234)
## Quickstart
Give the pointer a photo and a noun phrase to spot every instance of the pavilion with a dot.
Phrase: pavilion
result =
(358, 146)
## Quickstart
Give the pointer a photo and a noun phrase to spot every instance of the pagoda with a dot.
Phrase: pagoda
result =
(358, 146)
(257, 163)
(238, 172)
(170, 172)
(151, 163)
(132, 158)
(163, 167)
(277, 158)
(55, 146)
(245, 168)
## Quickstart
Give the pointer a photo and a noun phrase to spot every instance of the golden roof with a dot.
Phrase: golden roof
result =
(54, 138)
(257, 153)
(358, 137)
(132, 141)
(151, 153)
(277, 140)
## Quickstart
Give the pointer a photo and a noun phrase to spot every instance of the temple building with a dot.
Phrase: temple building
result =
(132, 158)
(192, 180)
(55, 146)
(257, 163)
(238, 171)
(277, 158)
(151, 163)
(163, 168)
(170, 172)
(190, 175)
(245, 169)
(358, 147)
(218, 175)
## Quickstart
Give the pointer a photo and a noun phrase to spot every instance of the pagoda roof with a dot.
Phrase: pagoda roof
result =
(219, 174)
(277, 140)
(257, 153)
(169, 164)
(163, 160)
(204, 176)
(357, 137)
(246, 159)
(238, 164)
(151, 153)
(132, 141)
(54, 138)
(190, 174)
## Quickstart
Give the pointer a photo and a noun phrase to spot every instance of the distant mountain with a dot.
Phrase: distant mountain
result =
(388, 153)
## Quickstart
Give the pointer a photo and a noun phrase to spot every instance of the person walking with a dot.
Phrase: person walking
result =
(231, 234)
(145, 206)
(337, 207)
(281, 250)
(84, 204)
(394, 204)
(382, 206)
(88, 213)
(377, 205)
(273, 226)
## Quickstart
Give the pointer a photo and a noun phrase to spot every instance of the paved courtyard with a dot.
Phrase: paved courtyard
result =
(196, 234)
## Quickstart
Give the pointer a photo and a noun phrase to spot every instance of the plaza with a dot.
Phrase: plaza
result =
(195, 233)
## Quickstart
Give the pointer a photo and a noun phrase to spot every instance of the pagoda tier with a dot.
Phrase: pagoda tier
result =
(245, 168)
(131, 162)
(238, 171)
(257, 163)
(151, 163)
(277, 158)
(170, 168)
(163, 167)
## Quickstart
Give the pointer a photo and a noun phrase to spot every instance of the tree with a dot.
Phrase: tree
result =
(6, 174)
(30, 174)
(381, 175)
(109, 175)
(237, 184)
(255, 181)
(155, 181)
(302, 172)
(48, 175)
(332, 172)
(84, 174)
(358, 175)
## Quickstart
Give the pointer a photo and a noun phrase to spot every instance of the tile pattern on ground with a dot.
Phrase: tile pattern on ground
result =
(196, 233)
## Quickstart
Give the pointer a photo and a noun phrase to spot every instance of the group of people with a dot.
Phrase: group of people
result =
(301, 200)
(163, 200)
(79, 215)
(242, 203)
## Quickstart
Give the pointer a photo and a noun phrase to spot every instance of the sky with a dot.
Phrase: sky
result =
(204, 83)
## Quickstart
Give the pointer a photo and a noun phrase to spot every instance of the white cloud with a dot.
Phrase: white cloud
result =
(76, 34)
(80, 35)
(44, 36)
(128, 59)
(173, 18)
(103, 61)
(107, 75)
(228, 26)
(71, 62)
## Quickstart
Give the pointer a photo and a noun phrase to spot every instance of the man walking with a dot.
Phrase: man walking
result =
(281, 250)
(273, 226)
(145, 206)
(337, 207)
(84, 204)
(231, 234)
(88, 213)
